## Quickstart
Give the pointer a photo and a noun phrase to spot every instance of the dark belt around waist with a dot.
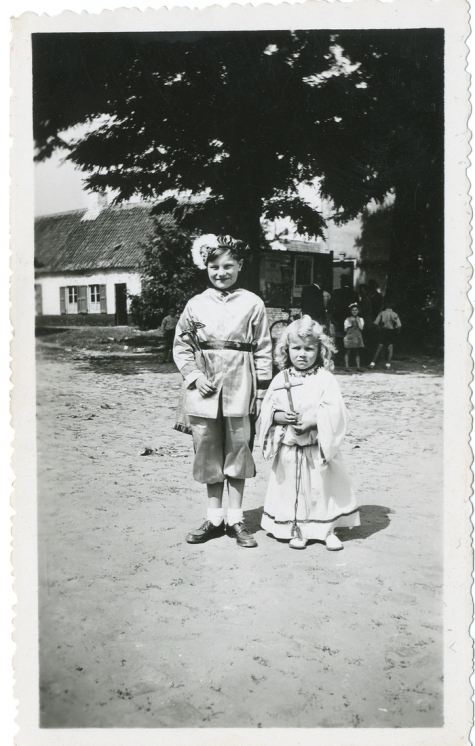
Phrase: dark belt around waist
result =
(219, 344)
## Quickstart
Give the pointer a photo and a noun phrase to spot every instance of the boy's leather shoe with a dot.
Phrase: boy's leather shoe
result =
(205, 532)
(243, 537)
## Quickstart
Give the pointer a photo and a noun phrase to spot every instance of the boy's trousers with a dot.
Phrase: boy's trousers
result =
(222, 448)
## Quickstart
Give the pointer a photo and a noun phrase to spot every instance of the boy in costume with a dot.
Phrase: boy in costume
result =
(223, 350)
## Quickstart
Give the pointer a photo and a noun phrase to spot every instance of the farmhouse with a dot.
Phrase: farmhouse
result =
(87, 263)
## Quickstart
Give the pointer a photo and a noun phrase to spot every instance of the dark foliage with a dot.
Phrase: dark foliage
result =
(405, 70)
(244, 117)
(169, 277)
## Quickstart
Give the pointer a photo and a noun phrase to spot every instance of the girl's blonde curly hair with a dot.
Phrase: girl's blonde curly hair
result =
(305, 328)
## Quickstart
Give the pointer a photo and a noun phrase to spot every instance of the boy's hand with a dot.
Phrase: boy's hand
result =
(205, 387)
(304, 426)
(285, 418)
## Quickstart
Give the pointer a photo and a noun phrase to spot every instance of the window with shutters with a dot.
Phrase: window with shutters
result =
(72, 299)
(94, 299)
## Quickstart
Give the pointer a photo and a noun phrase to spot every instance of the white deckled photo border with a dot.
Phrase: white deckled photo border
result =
(452, 15)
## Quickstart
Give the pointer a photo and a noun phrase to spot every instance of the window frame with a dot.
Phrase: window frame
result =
(72, 305)
(94, 306)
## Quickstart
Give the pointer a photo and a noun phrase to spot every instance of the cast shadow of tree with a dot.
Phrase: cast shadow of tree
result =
(373, 518)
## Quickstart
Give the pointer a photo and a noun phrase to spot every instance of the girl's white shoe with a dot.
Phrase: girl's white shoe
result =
(333, 543)
(296, 543)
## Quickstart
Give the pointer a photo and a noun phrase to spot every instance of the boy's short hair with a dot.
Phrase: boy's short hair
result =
(238, 249)
(305, 328)
(209, 247)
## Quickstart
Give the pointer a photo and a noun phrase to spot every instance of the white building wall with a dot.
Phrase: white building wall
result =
(50, 287)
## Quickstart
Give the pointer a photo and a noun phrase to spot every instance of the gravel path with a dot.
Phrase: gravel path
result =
(140, 629)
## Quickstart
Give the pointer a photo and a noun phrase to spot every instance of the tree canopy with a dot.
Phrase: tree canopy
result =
(244, 117)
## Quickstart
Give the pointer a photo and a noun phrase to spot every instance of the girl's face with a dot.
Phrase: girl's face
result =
(302, 352)
(354, 311)
(223, 271)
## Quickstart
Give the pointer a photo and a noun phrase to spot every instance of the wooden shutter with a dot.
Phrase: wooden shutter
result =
(82, 299)
(62, 300)
(38, 300)
(103, 298)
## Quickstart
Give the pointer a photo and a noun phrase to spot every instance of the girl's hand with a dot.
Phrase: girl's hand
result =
(285, 418)
(205, 387)
(304, 426)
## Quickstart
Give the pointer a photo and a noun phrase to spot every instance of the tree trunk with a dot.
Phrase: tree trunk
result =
(242, 211)
(252, 234)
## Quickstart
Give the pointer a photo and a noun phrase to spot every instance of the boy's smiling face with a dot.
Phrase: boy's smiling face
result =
(302, 352)
(223, 271)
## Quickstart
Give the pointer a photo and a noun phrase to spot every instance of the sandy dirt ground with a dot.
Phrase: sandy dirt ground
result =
(140, 629)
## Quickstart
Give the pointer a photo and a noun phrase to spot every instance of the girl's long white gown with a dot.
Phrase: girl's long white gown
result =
(309, 464)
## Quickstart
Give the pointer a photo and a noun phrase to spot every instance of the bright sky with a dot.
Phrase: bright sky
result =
(58, 187)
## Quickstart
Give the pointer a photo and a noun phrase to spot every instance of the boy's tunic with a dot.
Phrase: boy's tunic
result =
(216, 317)
(326, 497)
(225, 335)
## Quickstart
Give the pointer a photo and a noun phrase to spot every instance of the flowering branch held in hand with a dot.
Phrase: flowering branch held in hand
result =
(191, 332)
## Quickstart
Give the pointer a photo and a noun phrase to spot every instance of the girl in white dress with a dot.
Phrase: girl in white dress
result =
(303, 423)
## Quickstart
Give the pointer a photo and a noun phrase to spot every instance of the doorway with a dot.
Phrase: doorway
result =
(121, 318)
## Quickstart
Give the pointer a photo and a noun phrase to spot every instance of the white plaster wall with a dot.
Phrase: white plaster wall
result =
(51, 285)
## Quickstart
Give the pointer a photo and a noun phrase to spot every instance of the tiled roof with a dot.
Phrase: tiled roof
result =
(67, 243)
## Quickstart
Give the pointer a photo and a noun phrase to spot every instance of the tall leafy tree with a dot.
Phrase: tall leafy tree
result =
(403, 72)
(244, 117)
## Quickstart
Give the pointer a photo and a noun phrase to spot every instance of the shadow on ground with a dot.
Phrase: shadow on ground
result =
(118, 364)
(252, 519)
(129, 365)
(48, 331)
(373, 518)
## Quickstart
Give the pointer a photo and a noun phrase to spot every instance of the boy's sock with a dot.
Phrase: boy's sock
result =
(235, 515)
(215, 515)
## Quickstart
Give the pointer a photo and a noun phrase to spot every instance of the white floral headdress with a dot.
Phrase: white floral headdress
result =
(202, 247)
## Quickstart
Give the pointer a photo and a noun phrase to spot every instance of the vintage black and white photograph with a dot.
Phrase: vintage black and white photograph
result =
(239, 286)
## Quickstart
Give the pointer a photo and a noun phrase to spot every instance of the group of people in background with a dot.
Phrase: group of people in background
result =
(363, 323)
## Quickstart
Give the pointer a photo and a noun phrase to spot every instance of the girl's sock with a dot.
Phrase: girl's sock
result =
(235, 515)
(215, 515)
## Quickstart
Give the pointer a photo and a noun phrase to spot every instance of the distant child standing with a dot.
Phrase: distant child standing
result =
(389, 324)
(168, 330)
(223, 350)
(353, 339)
(303, 423)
